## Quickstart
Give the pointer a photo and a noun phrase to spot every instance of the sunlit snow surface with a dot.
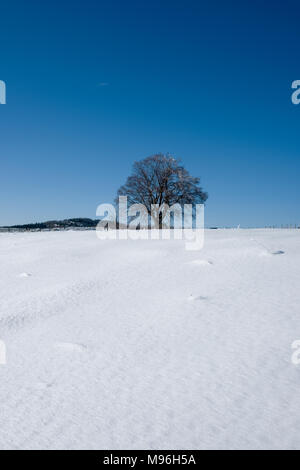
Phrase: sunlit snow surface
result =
(139, 344)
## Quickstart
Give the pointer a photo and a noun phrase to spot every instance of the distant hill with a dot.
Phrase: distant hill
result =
(57, 225)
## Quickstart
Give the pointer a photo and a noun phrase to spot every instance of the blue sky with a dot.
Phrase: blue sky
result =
(93, 86)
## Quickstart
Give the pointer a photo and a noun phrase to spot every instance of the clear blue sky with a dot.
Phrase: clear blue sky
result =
(93, 86)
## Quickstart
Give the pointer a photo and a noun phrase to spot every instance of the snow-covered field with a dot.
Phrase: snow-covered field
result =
(138, 344)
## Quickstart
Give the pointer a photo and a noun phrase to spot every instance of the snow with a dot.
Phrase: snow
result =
(144, 345)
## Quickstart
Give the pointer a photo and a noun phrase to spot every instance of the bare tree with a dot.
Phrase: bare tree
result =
(161, 180)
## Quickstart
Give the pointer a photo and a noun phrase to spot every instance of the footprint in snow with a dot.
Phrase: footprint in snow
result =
(272, 253)
(267, 251)
(192, 298)
(201, 262)
(71, 347)
(43, 386)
